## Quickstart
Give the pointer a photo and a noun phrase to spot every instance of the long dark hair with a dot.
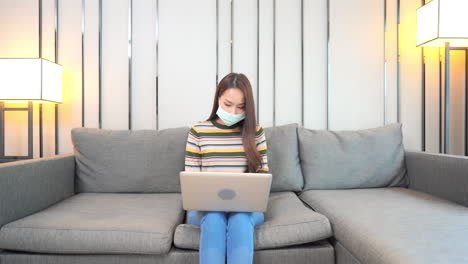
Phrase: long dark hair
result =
(249, 124)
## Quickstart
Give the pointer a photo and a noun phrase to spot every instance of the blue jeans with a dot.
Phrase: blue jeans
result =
(221, 232)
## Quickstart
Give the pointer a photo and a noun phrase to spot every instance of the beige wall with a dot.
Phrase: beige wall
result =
(347, 80)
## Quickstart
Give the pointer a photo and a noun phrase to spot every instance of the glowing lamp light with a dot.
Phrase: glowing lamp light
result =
(25, 79)
(441, 21)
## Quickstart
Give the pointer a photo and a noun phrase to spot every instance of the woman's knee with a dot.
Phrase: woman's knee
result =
(214, 218)
(239, 219)
(257, 218)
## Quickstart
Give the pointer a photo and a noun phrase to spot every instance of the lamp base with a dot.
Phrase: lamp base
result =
(3, 109)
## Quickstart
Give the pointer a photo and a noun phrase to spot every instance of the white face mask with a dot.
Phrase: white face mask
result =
(228, 118)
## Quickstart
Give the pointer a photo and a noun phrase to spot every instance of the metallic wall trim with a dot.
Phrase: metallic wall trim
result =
(258, 61)
(56, 129)
(30, 130)
(302, 62)
(423, 96)
(328, 65)
(385, 64)
(130, 47)
(274, 63)
(440, 102)
(466, 102)
(41, 141)
(100, 64)
(217, 43)
(2, 129)
(56, 109)
(447, 99)
(398, 61)
(232, 33)
(423, 100)
(40, 28)
(157, 64)
(56, 30)
(83, 20)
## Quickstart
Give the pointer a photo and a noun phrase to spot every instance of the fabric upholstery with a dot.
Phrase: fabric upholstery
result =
(29, 186)
(287, 222)
(348, 159)
(394, 225)
(99, 223)
(283, 158)
(129, 161)
(442, 175)
(317, 253)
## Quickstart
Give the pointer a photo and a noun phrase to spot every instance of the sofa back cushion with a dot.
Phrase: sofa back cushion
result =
(283, 158)
(129, 161)
(347, 159)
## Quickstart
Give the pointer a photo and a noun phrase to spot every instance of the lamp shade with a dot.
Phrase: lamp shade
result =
(34, 79)
(441, 21)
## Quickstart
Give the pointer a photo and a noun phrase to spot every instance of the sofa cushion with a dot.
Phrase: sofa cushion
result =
(129, 161)
(365, 158)
(287, 222)
(394, 225)
(99, 223)
(283, 158)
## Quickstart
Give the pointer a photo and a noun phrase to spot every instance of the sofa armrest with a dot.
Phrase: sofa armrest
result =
(441, 175)
(29, 186)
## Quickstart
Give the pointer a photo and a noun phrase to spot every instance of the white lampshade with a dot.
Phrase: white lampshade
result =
(441, 21)
(30, 80)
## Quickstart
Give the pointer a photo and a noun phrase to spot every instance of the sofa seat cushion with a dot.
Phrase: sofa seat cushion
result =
(394, 225)
(95, 223)
(287, 222)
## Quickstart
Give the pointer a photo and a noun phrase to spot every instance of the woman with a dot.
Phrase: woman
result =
(228, 141)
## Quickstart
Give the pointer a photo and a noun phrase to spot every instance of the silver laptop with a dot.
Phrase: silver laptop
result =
(225, 191)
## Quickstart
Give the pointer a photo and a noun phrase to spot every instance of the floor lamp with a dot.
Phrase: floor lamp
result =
(27, 80)
(444, 23)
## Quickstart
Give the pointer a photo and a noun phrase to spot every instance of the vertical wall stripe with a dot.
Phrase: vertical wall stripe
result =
(217, 41)
(130, 27)
(232, 31)
(398, 61)
(447, 99)
(100, 64)
(56, 31)
(385, 64)
(274, 63)
(328, 64)
(157, 64)
(258, 61)
(2, 129)
(40, 28)
(41, 139)
(423, 100)
(423, 95)
(440, 102)
(83, 19)
(56, 125)
(302, 63)
(466, 102)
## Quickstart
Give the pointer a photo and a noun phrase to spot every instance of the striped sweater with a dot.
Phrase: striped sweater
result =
(212, 146)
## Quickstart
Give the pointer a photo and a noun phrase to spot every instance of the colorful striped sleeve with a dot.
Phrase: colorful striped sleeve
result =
(262, 149)
(193, 159)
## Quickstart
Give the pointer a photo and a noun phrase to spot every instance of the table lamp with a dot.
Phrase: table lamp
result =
(27, 80)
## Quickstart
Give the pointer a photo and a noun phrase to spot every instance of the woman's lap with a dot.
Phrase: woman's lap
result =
(195, 217)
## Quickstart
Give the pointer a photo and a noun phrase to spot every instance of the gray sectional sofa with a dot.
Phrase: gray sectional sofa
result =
(337, 197)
